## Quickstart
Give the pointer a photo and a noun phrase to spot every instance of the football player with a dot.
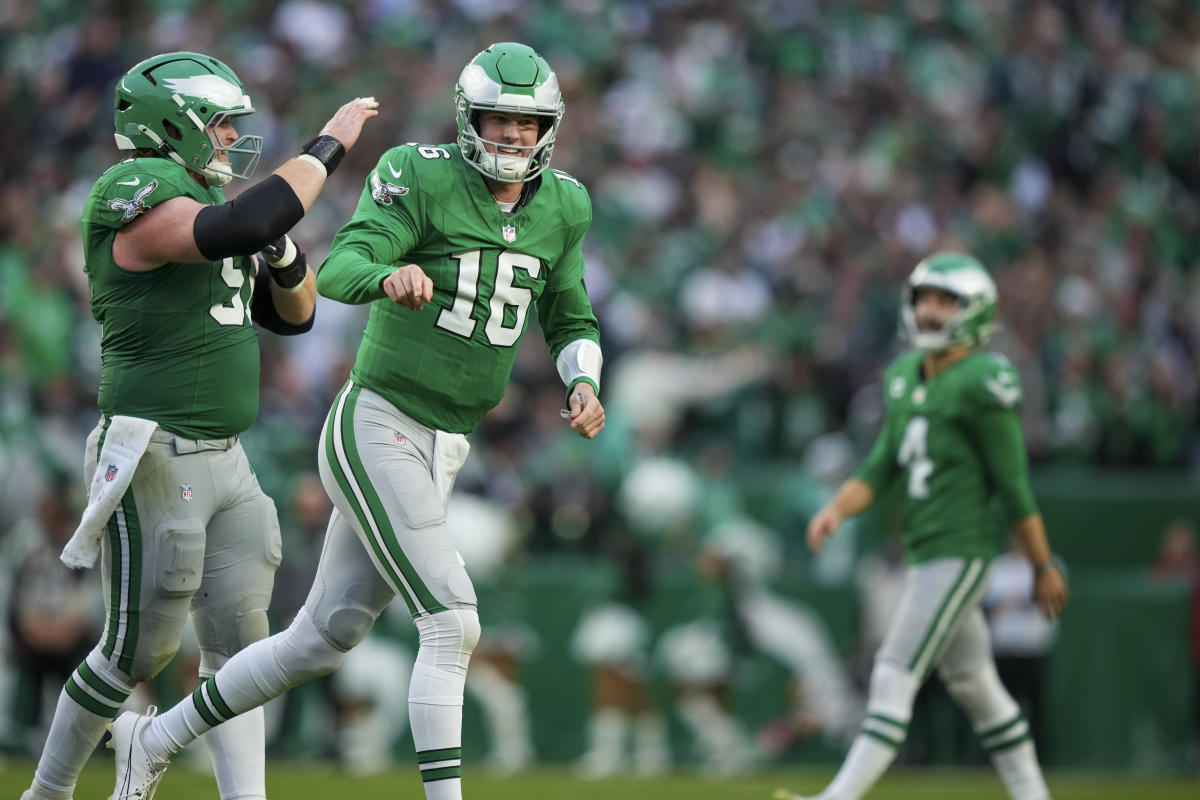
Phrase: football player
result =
(173, 283)
(951, 435)
(451, 245)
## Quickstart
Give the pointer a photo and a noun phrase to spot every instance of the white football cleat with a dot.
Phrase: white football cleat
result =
(137, 775)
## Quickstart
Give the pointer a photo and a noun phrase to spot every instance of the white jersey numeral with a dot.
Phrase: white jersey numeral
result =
(457, 318)
(508, 295)
(914, 457)
(233, 311)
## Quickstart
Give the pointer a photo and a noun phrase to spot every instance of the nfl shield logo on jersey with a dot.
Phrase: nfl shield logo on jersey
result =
(185, 491)
(110, 473)
(399, 437)
(510, 233)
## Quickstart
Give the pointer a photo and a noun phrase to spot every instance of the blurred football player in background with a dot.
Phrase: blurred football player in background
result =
(451, 245)
(951, 433)
(172, 282)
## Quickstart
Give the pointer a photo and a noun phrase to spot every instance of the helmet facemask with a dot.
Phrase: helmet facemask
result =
(239, 158)
(499, 166)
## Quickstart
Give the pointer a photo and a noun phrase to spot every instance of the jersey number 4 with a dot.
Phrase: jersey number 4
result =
(914, 456)
(457, 318)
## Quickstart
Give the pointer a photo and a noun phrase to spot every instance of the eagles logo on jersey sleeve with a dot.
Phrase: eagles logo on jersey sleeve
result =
(134, 206)
(1000, 385)
(133, 187)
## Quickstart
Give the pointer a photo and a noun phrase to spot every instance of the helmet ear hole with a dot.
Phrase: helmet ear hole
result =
(123, 104)
(172, 130)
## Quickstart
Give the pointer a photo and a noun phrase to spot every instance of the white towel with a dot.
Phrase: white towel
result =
(449, 454)
(124, 444)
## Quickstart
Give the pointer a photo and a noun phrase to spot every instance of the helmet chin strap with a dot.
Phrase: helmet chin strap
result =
(511, 168)
(218, 173)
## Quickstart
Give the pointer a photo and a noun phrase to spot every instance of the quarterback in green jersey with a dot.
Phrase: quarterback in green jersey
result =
(952, 438)
(180, 522)
(454, 246)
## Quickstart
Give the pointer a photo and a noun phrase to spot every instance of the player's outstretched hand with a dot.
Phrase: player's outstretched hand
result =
(346, 123)
(1051, 592)
(822, 526)
(409, 286)
(586, 413)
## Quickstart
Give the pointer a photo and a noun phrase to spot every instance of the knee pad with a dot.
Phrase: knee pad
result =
(447, 639)
(345, 627)
(305, 653)
(982, 696)
(455, 630)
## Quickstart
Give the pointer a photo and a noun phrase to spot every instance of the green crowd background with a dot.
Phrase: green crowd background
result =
(764, 175)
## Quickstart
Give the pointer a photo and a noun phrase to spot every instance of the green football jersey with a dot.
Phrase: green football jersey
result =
(177, 344)
(956, 442)
(449, 363)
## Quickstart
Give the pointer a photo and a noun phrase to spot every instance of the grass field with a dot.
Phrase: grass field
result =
(302, 782)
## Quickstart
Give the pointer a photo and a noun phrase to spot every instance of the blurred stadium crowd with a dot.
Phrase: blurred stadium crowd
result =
(764, 175)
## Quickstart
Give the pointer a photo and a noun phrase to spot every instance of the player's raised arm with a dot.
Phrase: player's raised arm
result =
(205, 141)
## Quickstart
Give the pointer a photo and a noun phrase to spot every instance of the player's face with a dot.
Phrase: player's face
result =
(519, 130)
(934, 308)
(223, 133)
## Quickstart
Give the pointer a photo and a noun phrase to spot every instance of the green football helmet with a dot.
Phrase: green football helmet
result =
(964, 277)
(508, 77)
(172, 103)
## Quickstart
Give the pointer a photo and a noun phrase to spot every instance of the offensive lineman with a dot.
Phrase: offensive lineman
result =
(450, 245)
(951, 433)
(173, 284)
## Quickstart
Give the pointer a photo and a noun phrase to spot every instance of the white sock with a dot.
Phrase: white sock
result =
(88, 701)
(260, 672)
(435, 698)
(866, 762)
(1018, 768)
(73, 737)
(238, 750)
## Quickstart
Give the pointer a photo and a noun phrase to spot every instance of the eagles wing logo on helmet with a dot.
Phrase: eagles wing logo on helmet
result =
(212, 88)
(384, 191)
(136, 206)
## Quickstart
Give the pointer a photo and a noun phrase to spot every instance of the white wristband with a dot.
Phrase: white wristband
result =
(316, 162)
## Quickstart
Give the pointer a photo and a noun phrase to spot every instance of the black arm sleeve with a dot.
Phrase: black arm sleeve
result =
(262, 307)
(249, 222)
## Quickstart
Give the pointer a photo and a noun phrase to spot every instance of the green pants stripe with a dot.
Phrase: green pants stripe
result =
(949, 609)
(125, 575)
(353, 479)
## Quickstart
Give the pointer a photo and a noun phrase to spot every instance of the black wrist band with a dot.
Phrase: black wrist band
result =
(326, 149)
(292, 275)
(1038, 569)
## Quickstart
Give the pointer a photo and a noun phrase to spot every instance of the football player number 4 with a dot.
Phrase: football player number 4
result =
(914, 457)
(233, 311)
(457, 318)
